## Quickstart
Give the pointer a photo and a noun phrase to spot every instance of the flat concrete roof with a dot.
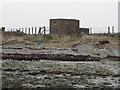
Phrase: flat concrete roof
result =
(65, 19)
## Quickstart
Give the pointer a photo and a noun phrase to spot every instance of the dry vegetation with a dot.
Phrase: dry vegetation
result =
(60, 40)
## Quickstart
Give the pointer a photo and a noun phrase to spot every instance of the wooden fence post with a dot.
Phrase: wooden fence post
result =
(19, 28)
(32, 30)
(44, 30)
(29, 30)
(3, 29)
(39, 32)
(35, 30)
(90, 31)
(25, 30)
(112, 29)
(108, 30)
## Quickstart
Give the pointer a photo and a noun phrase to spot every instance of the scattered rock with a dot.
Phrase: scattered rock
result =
(103, 42)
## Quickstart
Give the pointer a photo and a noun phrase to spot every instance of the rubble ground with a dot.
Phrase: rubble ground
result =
(59, 74)
(101, 74)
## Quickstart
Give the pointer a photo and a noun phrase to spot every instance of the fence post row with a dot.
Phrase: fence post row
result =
(32, 30)
(42, 30)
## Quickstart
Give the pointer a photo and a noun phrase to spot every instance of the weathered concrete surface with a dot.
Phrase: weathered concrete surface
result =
(92, 50)
(58, 74)
(64, 26)
(37, 49)
(115, 50)
(82, 49)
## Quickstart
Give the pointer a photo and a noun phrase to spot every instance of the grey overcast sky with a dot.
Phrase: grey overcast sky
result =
(97, 15)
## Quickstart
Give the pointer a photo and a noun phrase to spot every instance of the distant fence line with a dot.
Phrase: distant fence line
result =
(45, 30)
(29, 30)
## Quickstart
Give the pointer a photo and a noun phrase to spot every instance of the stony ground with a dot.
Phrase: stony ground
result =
(102, 74)
(58, 74)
